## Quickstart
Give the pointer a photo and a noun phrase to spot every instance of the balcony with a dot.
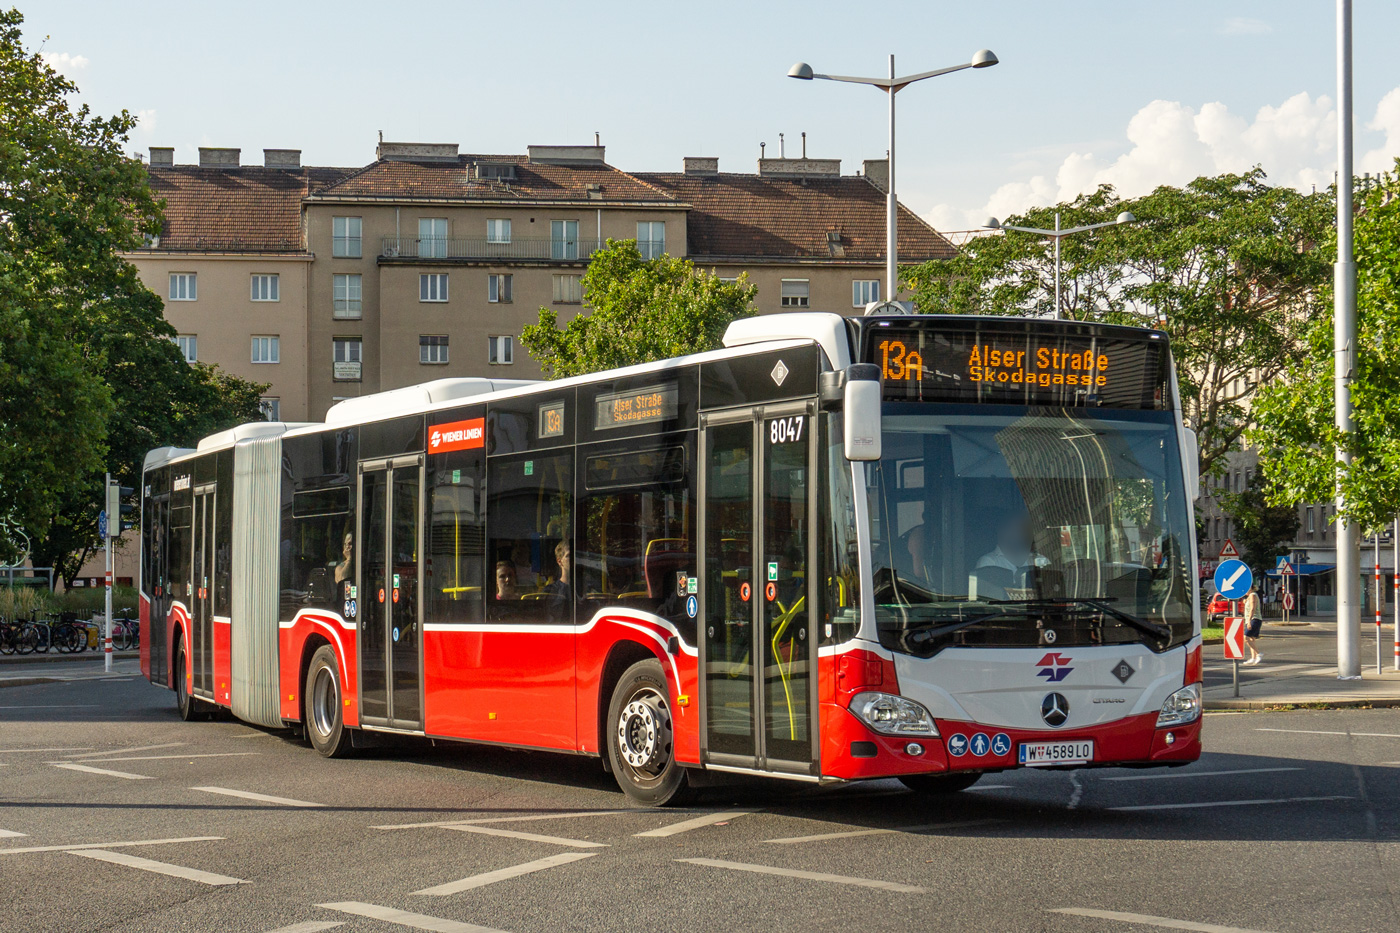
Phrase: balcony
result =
(519, 249)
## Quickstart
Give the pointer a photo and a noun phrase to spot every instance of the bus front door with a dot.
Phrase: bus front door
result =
(758, 683)
(390, 629)
(202, 593)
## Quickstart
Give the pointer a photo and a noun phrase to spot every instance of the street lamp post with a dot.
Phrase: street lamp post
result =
(892, 86)
(1057, 235)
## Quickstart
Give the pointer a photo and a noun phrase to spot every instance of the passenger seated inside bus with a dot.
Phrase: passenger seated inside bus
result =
(505, 580)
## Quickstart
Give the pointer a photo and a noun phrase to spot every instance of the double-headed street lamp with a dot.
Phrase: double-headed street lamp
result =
(892, 86)
(1057, 234)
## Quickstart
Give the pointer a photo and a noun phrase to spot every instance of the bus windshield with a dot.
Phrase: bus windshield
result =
(1018, 526)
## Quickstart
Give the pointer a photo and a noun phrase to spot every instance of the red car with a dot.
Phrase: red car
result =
(1217, 610)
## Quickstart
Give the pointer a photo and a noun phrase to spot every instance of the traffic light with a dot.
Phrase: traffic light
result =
(118, 511)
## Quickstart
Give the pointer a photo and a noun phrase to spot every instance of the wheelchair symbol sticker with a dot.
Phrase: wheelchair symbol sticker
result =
(1001, 744)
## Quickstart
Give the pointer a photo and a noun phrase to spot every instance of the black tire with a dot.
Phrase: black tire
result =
(65, 639)
(940, 783)
(323, 709)
(28, 639)
(187, 706)
(641, 739)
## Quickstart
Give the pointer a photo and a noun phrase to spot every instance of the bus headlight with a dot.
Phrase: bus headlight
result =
(893, 715)
(1181, 707)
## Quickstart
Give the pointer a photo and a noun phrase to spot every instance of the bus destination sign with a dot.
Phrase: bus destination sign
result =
(1025, 367)
(644, 406)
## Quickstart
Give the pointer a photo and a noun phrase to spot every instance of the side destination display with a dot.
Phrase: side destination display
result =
(1015, 366)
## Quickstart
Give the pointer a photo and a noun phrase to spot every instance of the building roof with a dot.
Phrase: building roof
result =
(760, 217)
(235, 209)
(455, 180)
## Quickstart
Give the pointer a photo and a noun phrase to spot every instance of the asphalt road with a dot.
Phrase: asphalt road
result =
(1289, 823)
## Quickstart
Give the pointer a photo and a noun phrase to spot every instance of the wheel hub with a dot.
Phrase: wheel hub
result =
(644, 733)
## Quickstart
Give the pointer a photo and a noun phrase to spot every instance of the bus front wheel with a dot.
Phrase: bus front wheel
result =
(186, 705)
(641, 738)
(324, 716)
(940, 783)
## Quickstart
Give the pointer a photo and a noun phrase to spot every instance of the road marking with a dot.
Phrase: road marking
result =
(1147, 920)
(125, 751)
(161, 868)
(528, 837)
(1227, 803)
(1370, 735)
(70, 766)
(310, 926)
(925, 827)
(10, 834)
(708, 819)
(1160, 777)
(111, 845)
(166, 757)
(55, 706)
(406, 918)
(990, 787)
(807, 875)
(508, 819)
(502, 874)
(262, 798)
(15, 751)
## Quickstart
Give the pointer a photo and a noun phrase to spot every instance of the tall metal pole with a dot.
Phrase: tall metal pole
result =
(891, 209)
(107, 621)
(1395, 584)
(1380, 599)
(1343, 364)
(1057, 265)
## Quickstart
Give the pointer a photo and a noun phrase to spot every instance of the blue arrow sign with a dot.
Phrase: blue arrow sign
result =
(1233, 579)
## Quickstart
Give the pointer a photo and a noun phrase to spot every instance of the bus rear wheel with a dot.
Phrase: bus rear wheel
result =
(325, 714)
(641, 738)
(186, 705)
(940, 783)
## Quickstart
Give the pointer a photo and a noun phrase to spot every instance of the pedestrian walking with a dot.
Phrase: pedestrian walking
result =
(1254, 621)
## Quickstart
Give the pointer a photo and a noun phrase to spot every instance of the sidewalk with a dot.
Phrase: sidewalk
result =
(1300, 668)
(26, 670)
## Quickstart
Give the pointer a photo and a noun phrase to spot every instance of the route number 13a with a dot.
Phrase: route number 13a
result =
(785, 430)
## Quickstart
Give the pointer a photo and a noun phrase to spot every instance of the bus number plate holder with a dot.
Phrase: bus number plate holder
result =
(1042, 754)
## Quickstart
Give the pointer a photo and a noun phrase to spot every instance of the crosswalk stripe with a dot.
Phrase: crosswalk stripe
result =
(162, 868)
(261, 798)
(70, 766)
(503, 874)
(406, 918)
(807, 875)
(708, 819)
(528, 837)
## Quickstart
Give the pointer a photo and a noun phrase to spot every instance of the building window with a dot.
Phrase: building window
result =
(729, 279)
(500, 350)
(1311, 526)
(498, 288)
(432, 349)
(795, 293)
(864, 291)
(265, 350)
(346, 291)
(432, 237)
(563, 239)
(568, 289)
(432, 287)
(270, 407)
(651, 238)
(189, 346)
(265, 288)
(183, 286)
(346, 359)
(345, 237)
(498, 231)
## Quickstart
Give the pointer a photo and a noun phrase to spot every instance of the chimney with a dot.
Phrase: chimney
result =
(799, 168)
(162, 155)
(878, 171)
(416, 152)
(700, 165)
(282, 158)
(566, 155)
(218, 158)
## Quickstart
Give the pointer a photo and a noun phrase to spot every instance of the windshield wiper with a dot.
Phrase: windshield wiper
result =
(1147, 626)
(925, 635)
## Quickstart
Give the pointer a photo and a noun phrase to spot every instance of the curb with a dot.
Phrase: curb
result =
(1302, 702)
(36, 658)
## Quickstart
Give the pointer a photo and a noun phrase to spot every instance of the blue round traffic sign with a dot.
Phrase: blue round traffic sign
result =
(1233, 579)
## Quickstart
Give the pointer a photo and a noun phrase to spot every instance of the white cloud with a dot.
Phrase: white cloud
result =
(1170, 143)
(145, 122)
(64, 63)
(1245, 26)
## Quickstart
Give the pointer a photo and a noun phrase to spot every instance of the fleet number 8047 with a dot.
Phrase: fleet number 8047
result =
(785, 430)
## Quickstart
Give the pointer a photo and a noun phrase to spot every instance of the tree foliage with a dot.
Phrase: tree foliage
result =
(638, 310)
(1295, 428)
(1226, 266)
(89, 375)
(1262, 528)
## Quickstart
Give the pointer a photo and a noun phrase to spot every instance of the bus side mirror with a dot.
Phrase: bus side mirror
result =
(1191, 456)
(862, 412)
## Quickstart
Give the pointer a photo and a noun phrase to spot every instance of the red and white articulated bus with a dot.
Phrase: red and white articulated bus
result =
(917, 547)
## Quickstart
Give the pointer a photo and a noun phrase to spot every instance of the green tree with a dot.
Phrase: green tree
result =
(1261, 527)
(1294, 414)
(1226, 266)
(638, 310)
(89, 376)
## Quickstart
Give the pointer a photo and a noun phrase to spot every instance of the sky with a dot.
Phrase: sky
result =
(1135, 94)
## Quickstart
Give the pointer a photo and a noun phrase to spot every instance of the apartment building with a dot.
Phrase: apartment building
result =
(330, 283)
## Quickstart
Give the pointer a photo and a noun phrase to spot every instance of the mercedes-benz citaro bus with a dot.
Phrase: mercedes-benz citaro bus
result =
(919, 547)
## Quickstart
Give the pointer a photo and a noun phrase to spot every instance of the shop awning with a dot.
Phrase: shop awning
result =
(1304, 570)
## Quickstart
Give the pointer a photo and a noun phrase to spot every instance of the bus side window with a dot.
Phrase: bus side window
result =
(457, 540)
(529, 515)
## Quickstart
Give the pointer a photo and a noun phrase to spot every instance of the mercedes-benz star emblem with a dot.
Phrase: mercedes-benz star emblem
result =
(1054, 709)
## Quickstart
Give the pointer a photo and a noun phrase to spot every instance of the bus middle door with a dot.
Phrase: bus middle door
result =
(758, 685)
